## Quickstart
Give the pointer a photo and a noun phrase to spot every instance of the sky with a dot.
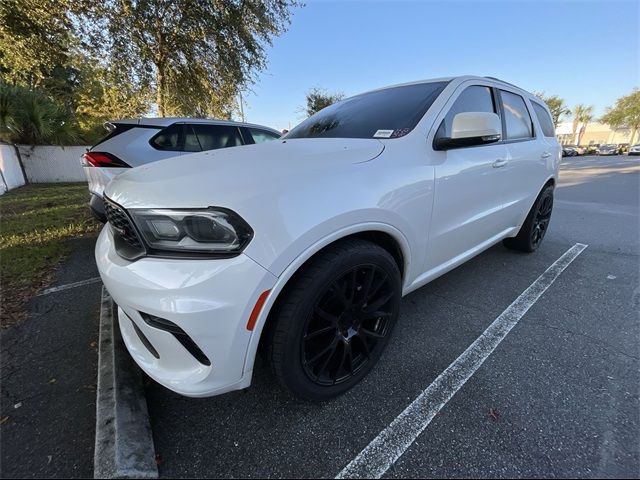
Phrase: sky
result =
(584, 51)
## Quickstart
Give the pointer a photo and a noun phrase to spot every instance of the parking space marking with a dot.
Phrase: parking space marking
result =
(393, 441)
(68, 286)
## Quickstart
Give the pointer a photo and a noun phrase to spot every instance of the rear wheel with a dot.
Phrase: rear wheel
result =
(535, 225)
(335, 320)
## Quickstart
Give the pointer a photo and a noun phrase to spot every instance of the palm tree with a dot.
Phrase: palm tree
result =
(32, 118)
(582, 114)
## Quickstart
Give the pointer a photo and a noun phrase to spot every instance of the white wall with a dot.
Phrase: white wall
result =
(45, 164)
(12, 176)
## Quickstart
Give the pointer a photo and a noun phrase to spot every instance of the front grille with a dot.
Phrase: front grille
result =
(127, 241)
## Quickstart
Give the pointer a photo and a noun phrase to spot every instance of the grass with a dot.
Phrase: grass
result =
(35, 222)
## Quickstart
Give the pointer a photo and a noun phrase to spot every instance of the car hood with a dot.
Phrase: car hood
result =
(228, 177)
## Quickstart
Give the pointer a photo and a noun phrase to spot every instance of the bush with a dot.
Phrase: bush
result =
(30, 117)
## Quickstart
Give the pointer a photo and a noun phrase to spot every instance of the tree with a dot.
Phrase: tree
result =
(196, 54)
(29, 117)
(317, 99)
(105, 95)
(556, 106)
(35, 40)
(582, 114)
(625, 113)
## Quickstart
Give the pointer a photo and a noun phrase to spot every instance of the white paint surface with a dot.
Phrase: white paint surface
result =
(393, 441)
(46, 164)
(12, 176)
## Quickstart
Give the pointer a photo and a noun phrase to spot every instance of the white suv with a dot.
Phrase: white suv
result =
(303, 247)
(138, 141)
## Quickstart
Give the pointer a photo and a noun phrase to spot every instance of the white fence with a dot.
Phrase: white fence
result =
(10, 168)
(40, 164)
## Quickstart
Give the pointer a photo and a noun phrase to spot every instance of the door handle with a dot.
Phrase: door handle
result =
(499, 163)
(545, 155)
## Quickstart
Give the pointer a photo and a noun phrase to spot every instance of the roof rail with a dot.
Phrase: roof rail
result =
(498, 80)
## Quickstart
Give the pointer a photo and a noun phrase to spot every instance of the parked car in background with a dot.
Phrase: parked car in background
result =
(608, 149)
(634, 150)
(573, 150)
(623, 148)
(304, 246)
(592, 149)
(134, 142)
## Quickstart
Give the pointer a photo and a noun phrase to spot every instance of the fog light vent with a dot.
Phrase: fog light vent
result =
(181, 336)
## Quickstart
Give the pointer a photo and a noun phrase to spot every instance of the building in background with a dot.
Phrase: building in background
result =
(595, 132)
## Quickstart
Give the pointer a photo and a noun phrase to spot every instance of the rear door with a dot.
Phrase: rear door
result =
(467, 208)
(528, 154)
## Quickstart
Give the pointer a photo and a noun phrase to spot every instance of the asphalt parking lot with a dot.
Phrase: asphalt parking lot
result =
(558, 397)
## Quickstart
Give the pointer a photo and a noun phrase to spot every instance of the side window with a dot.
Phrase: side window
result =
(516, 116)
(545, 120)
(260, 136)
(211, 137)
(473, 99)
(168, 138)
(191, 143)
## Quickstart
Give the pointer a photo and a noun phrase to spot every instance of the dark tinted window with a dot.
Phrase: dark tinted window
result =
(388, 113)
(516, 116)
(168, 138)
(211, 137)
(472, 99)
(545, 120)
(260, 136)
(191, 143)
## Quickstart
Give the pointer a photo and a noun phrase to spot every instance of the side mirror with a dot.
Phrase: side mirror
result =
(469, 129)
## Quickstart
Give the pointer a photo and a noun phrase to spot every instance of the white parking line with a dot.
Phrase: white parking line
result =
(68, 286)
(393, 441)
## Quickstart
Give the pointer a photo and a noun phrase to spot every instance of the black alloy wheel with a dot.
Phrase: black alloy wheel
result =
(535, 225)
(331, 324)
(541, 222)
(347, 325)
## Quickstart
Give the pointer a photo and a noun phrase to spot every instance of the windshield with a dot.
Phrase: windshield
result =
(608, 146)
(388, 113)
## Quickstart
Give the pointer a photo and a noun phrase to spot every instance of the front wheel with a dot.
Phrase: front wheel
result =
(335, 320)
(535, 225)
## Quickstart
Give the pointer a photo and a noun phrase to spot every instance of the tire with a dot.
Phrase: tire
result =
(535, 225)
(344, 302)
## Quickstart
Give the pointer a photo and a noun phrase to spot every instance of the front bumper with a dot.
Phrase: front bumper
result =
(210, 300)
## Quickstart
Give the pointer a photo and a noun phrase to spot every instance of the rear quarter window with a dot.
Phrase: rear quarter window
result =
(260, 136)
(545, 120)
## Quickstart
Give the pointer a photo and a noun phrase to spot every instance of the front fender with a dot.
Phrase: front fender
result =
(305, 255)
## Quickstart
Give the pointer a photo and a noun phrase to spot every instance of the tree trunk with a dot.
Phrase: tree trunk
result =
(160, 88)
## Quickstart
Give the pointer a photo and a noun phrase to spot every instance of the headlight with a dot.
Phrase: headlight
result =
(201, 231)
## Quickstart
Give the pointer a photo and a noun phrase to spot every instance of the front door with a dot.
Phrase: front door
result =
(468, 202)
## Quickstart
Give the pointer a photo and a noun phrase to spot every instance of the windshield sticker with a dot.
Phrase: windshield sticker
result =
(383, 134)
(400, 132)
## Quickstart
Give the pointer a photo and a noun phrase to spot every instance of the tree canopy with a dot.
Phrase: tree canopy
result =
(318, 98)
(556, 106)
(106, 59)
(196, 54)
(625, 113)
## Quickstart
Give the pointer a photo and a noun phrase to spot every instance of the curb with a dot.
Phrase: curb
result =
(124, 443)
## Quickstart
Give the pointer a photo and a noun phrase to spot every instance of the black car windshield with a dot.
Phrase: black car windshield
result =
(387, 113)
